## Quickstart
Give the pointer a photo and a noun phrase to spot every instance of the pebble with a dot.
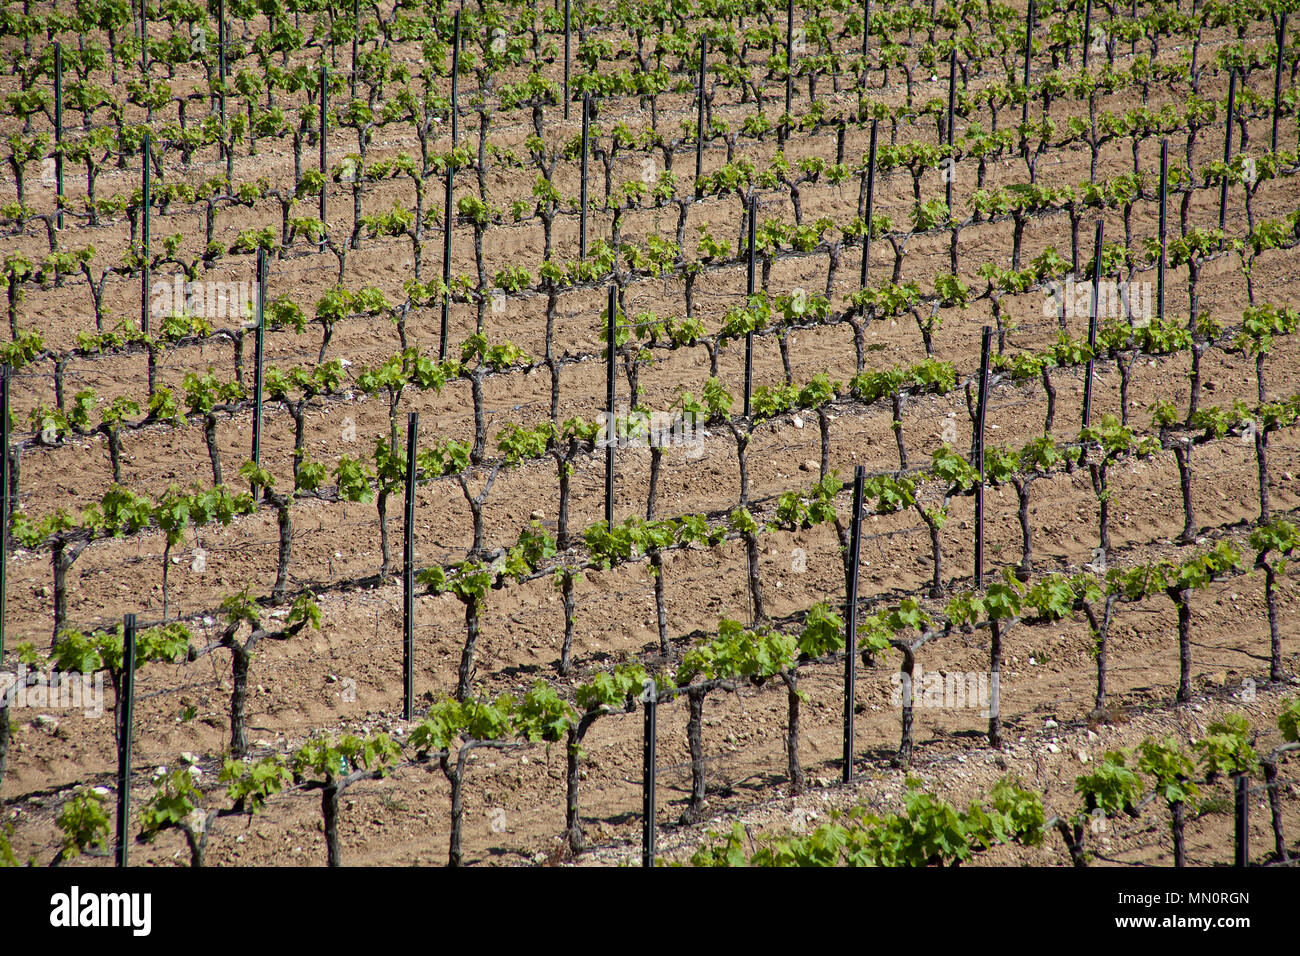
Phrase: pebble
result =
(1049, 723)
(1053, 749)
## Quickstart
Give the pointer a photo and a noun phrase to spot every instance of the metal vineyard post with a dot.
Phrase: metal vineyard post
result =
(871, 203)
(1227, 148)
(648, 746)
(1164, 195)
(952, 96)
(986, 339)
(59, 135)
(567, 58)
(1241, 820)
(582, 200)
(4, 498)
(749, 291)
(324, 152)
(455, 82)
(610, 394)
(699, 120)
(145, 208)
(1277, 76)
(259, 349)
(1092, 325)
(126, 711)
(851, 621)
(446, 267)
(408, 570)
(1087, 31)
(356, 30)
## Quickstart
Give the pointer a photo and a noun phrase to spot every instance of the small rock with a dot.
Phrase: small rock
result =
(537, 515)
(797, 421)
(1053, 749)
(1049, 723)
(809, 465)
(1083, 756)
(45, 722)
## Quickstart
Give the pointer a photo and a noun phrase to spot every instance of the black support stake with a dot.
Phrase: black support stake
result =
(221, 67)
(356, 30)
(59, 135)
(948, 129)
(408, 571)
(146, 207)
(1164, 195)
(649, 742)
(866, 35)
(455, 82)
(1087, 31)
(324, 152)
(1227, 146)
(582, 199)
(986, 339)
(568, 60)
(4, 499)
(699, 120)
(259, 353)
(1277, 76)
(789, 64)
(749, 291)
(851, 621)
(125, 713)
(1241, 820)
(611, 436)
(1092, 325)
(871, 203)
(446, 268)
(1029, 52)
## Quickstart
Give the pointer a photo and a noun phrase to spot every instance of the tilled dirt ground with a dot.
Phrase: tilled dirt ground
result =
(347, 675)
